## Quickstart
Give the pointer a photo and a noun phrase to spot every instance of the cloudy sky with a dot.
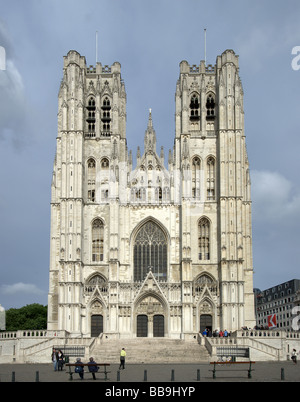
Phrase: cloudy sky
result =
(149, 39)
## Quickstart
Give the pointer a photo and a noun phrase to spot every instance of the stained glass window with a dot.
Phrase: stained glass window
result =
(150, 252)
(204, 239)
(97, 240)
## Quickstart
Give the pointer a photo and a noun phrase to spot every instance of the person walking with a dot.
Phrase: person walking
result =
(60, 360)
(294, 356)
(122, 359)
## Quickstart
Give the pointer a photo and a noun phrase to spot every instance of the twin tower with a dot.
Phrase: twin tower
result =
(156, 248)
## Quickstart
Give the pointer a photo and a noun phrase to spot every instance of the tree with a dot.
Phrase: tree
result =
(31, 316)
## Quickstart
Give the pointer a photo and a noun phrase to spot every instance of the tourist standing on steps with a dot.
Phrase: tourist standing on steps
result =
(122, 359)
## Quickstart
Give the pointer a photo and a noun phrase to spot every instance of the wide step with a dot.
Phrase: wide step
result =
(144, 350)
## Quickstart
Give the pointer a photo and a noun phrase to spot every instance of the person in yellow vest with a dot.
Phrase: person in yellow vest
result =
(122, 359)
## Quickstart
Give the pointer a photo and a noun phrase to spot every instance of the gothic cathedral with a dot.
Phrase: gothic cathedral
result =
(145, 250)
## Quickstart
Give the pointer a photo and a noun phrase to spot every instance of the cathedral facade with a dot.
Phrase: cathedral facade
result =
(145, 250)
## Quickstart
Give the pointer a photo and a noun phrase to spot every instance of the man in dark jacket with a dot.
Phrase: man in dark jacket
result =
(79, 368)
(93, 368)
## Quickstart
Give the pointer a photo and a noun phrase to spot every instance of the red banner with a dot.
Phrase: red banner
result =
(272, 323)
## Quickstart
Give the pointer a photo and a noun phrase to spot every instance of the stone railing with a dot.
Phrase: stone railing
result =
(37, 333)
(269, 343)
(293, 335)
(238, 336)
(265, 333)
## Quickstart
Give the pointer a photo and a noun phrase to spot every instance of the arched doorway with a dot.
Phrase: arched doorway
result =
(205, 322)
(96, 325)
(158, 326)
(150, 316)
(142, 325)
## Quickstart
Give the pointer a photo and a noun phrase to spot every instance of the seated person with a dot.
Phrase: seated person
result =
(93, 368)
(79, 368)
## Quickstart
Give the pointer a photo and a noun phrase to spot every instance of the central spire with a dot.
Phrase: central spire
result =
(150, 123)
(150, 136)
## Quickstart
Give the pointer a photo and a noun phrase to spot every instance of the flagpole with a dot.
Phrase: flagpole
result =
(205, 46)
(96, 47)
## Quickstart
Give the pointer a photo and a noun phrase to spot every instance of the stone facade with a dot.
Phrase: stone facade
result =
(150, 250)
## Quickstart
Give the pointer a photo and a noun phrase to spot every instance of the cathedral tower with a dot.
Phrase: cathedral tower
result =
(211, 153)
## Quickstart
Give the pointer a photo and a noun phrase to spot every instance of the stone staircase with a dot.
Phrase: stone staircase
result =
(150, 350)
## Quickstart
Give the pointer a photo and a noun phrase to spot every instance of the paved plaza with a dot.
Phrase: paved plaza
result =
(161, 373)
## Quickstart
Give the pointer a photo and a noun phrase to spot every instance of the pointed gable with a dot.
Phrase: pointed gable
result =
(150, 180)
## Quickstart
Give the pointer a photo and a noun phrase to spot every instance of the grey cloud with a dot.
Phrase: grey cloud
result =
(276, 199)
(20, 287)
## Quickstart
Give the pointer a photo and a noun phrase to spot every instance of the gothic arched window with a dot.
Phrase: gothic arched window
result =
(96, 281)
(97, 240)
(91, 165)
(150, 252)
(211, 178)
(91, 117)
(194, 108)
(105, 116)
(205, 280)
(204, 239)
(91, 179)
(105, 164)
(210, 107)
(196, 164)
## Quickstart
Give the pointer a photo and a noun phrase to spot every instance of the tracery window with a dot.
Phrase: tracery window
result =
(196, 164)
(203, 281)
(91, 165)
(96, 281)
(91, 179)
(210, 107)
(97, 240)
(210, 178)
(105, 116)
(150, 252)
(194, 108)
(204, 239)
(104, 163)
(166, 194)
(91, 115)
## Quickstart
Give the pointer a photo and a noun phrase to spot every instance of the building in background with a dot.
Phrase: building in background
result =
(150, 251)
(278, 301)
